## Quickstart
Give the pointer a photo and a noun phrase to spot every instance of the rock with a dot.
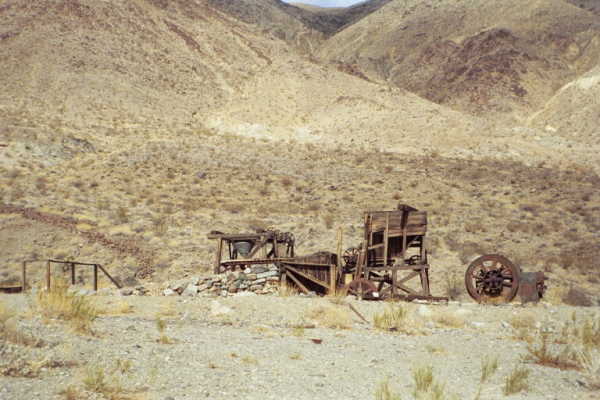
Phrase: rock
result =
(245, 294)
(251, 277)
(477, 324)
(190, 291)
(126, 291)
(266, 274)
(169, 292)
(179, 286)
(259, 269)
(217, 309)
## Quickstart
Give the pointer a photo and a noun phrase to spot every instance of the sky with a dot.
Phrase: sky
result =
(326, 3)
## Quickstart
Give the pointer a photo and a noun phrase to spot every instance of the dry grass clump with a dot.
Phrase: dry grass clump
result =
(161, 325)
(454, 287)
(488, 367)
(590, 333)
(522, 321)
(10, 332)
(426, 386)
(330, 316)
(58, 303)
(393, 319)
(541, 354)
(516, 381)
(384, 391)
(577, 297)
(449, 320)
(110, 387)
(286, 290)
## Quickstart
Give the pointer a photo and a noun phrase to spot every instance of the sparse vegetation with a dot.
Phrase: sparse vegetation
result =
(161, 325)
(331, 316)
(516, 381)
(384, 391)
(489, 366)
(59, 303)
(542, 354)
(393, 318)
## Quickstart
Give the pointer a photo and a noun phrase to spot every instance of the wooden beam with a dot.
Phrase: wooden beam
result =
(310, 278)
(117, 284)
(217, 266)
(72, 273)
(297, 282)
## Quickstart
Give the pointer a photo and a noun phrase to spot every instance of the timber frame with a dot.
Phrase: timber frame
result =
(393, 252)
(264, 247)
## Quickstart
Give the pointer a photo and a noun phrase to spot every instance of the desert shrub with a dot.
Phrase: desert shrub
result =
(385, 392)
(454, 286)
(516, 381)
(541, 354)
(426, 386)
(331, 317)
(392, 318)
(59, 303)
(488, 367)
(577, 297)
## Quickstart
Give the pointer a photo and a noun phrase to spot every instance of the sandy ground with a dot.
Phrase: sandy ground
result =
(258, 349)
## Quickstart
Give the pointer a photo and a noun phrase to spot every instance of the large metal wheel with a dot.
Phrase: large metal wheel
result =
(361, 288)
(492, 277)
(350, 258)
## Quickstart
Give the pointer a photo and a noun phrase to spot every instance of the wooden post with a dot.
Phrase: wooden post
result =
(24, 276)
(332, 280)
(48, 276)
(95, 277)
(394, 280)
(72, 273)
(218, 256)
(385, 239)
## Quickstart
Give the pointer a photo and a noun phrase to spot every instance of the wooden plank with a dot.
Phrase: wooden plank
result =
(385, 239)
(258, 246)
(109, 277)
(297, 282)
(217, 267)
(310, 278)
(305, 264)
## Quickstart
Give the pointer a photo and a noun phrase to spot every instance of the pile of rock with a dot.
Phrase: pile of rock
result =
(258, 279)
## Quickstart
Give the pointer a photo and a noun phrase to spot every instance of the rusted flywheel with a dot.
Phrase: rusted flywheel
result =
(361, 288)
(492, 277)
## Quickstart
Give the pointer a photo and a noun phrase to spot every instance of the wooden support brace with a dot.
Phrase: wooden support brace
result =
(297, 282)
(95, 277)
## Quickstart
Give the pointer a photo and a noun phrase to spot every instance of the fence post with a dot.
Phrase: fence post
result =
(24, 276)
(48, 275)
(72, 273)
(95, 277)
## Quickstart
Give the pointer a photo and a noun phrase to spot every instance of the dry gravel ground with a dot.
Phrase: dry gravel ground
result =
(263, 349)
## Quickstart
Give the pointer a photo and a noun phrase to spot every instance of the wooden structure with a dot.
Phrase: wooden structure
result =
(265, 247)
(392, 256)
(71, 266)
(317, 272)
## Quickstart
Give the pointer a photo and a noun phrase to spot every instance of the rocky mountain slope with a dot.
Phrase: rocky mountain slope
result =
(506, 57)
(140, 126)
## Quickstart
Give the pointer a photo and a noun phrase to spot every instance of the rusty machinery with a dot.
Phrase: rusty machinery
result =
(391, 262)
(244, 249)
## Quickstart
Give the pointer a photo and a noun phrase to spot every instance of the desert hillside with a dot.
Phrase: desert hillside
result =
(505, 57)
(133, 129)
(129, 130)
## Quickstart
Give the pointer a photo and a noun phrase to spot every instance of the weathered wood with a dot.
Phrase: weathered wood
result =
(310, 278)
(298, 283)
(95, 278)
(24, 276)
(218, 256)
(48, 276)
(117, 284)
